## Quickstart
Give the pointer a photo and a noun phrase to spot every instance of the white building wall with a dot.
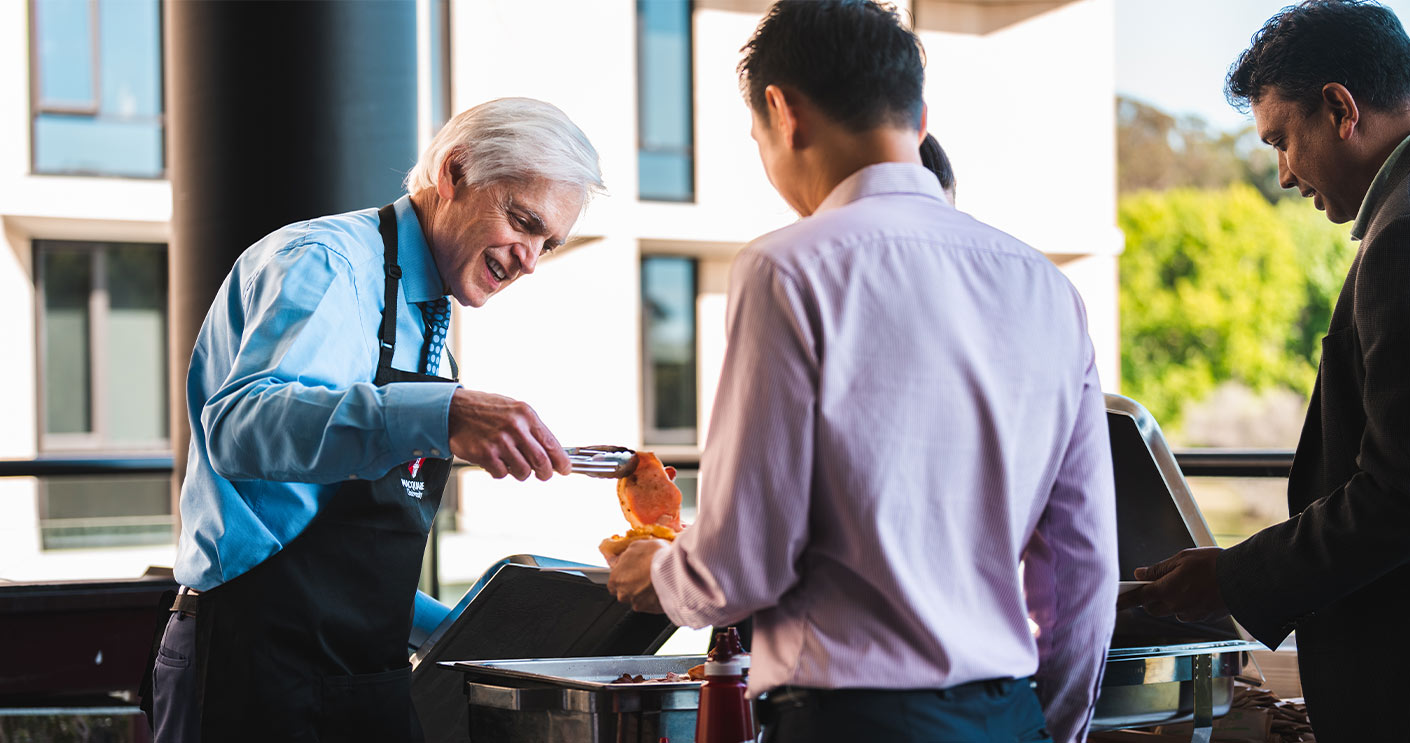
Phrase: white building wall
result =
(1020, 98)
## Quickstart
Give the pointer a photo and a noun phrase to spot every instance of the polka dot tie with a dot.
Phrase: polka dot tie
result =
(437, 315)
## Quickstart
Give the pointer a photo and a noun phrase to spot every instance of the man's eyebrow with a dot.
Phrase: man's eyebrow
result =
(536, 224)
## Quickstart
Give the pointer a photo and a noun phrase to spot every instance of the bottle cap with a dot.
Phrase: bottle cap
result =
(731, 667)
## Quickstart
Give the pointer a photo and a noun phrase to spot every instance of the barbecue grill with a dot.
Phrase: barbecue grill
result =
(1159, 671)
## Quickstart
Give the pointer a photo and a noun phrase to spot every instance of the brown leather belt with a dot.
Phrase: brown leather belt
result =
(186, 601)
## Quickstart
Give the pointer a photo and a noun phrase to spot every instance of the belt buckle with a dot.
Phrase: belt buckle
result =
(186, 601)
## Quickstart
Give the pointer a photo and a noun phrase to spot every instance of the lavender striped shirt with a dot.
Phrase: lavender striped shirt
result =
(909, 413)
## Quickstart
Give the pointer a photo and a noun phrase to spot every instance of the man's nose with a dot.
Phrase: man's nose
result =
(1286, 179)
(528, 255)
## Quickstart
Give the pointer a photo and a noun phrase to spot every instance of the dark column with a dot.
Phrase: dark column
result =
(276, 112)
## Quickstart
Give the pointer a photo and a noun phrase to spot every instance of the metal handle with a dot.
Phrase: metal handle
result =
(502, 697)
(601, 461)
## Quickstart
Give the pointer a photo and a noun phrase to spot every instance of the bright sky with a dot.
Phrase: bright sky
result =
(1174, 53)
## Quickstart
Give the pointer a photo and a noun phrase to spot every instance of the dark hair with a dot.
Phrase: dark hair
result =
(1357, 43)
(854, 59)
(933, 157)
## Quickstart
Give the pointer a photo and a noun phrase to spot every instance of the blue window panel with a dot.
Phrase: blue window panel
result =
(666, 176)
(665, 107)
(89, 145)
(130, 46)
(665, 74)
(64, 51)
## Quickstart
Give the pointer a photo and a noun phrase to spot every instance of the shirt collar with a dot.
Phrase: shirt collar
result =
(420, 280)
(884, 178)
(1375, 194)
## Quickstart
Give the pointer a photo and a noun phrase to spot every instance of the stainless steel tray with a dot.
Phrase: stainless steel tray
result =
(591, 674)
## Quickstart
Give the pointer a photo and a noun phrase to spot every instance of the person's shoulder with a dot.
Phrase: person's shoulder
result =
(345, 244)
(350, 238)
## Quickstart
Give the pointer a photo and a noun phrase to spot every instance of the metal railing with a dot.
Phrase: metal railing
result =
(1193, 462)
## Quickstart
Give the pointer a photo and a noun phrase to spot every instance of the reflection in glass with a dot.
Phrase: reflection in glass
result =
(87, 512)
(64, 51)
(135, 345)
(130, 45)
(68, 281)
(99, 104)
(665, 108)
(88, 145)
(668, 289)
(103, 322)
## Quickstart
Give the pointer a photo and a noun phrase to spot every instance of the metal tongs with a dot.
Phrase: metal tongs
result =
(602, 461)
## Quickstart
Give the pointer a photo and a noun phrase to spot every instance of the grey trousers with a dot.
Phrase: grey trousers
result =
(176, 716)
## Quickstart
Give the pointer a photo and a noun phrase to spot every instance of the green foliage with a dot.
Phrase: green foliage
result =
(1324, 253)
(1220, 285)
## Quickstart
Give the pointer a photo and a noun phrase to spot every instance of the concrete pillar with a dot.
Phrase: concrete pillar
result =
(277, 112)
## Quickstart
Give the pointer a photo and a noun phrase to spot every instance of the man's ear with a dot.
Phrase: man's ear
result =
(784, 116)
(449, 176)
(1341, 104)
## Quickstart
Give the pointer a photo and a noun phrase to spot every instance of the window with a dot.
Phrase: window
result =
(668, 291)
(96, 87)
(102, 356)
(665, 109)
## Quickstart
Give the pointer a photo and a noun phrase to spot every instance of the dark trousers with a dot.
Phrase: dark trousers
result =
(176, 715)
(1005, 710)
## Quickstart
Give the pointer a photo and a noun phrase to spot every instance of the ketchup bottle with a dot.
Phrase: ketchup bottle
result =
(724, 715)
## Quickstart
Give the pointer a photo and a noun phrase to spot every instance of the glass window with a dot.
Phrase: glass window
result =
(668, 290)
(89, 512)
(665, 107)
(98, 96)
(102, 323)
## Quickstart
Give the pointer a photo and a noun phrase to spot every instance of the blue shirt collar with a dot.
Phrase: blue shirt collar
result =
(420, 279)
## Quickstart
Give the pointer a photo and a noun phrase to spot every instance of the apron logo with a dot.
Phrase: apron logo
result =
(414, 465)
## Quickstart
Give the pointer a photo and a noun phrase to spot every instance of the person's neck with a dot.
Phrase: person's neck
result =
(835, 154)
(1379, 134)
(424, 202)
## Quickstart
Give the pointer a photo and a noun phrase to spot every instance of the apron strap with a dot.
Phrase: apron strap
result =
(387, 225)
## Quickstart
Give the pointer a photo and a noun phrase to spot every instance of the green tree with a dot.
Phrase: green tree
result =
(1211, 289)
(1324, 253)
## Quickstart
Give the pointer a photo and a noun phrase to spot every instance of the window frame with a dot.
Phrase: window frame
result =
(96, 439)
(650, 434)
(38, 106)
(689, 150)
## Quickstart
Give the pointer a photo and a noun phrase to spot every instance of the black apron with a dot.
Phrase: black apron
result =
(311, 644)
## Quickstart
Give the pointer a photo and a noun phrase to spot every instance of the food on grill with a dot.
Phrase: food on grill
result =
(671, 677)
(650, 501)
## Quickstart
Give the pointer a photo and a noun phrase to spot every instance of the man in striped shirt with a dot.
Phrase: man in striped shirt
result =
(908, 457)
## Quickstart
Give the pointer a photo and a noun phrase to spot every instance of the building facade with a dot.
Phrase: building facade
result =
(617, 338)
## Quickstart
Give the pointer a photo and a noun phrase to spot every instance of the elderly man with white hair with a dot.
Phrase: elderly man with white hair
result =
(324, 413)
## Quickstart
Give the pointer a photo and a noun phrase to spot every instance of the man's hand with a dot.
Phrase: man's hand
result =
(1184, 585)
(503, 436)
(631, 576)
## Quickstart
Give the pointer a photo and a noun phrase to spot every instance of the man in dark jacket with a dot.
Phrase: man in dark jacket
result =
(1329, 85)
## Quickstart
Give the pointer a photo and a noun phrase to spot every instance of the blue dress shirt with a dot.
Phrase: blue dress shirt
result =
(280, 396)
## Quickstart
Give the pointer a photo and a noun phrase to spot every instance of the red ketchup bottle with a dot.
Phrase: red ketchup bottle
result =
(724, 715)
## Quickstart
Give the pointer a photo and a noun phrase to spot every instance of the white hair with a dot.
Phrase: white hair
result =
(511, 139)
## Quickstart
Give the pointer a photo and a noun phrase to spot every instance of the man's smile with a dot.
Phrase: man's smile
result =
(496, 269)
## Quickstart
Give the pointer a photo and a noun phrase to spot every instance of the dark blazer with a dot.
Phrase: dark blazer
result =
(1338, 570)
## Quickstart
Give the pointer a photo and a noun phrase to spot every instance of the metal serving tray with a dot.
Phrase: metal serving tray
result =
(574, 699)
